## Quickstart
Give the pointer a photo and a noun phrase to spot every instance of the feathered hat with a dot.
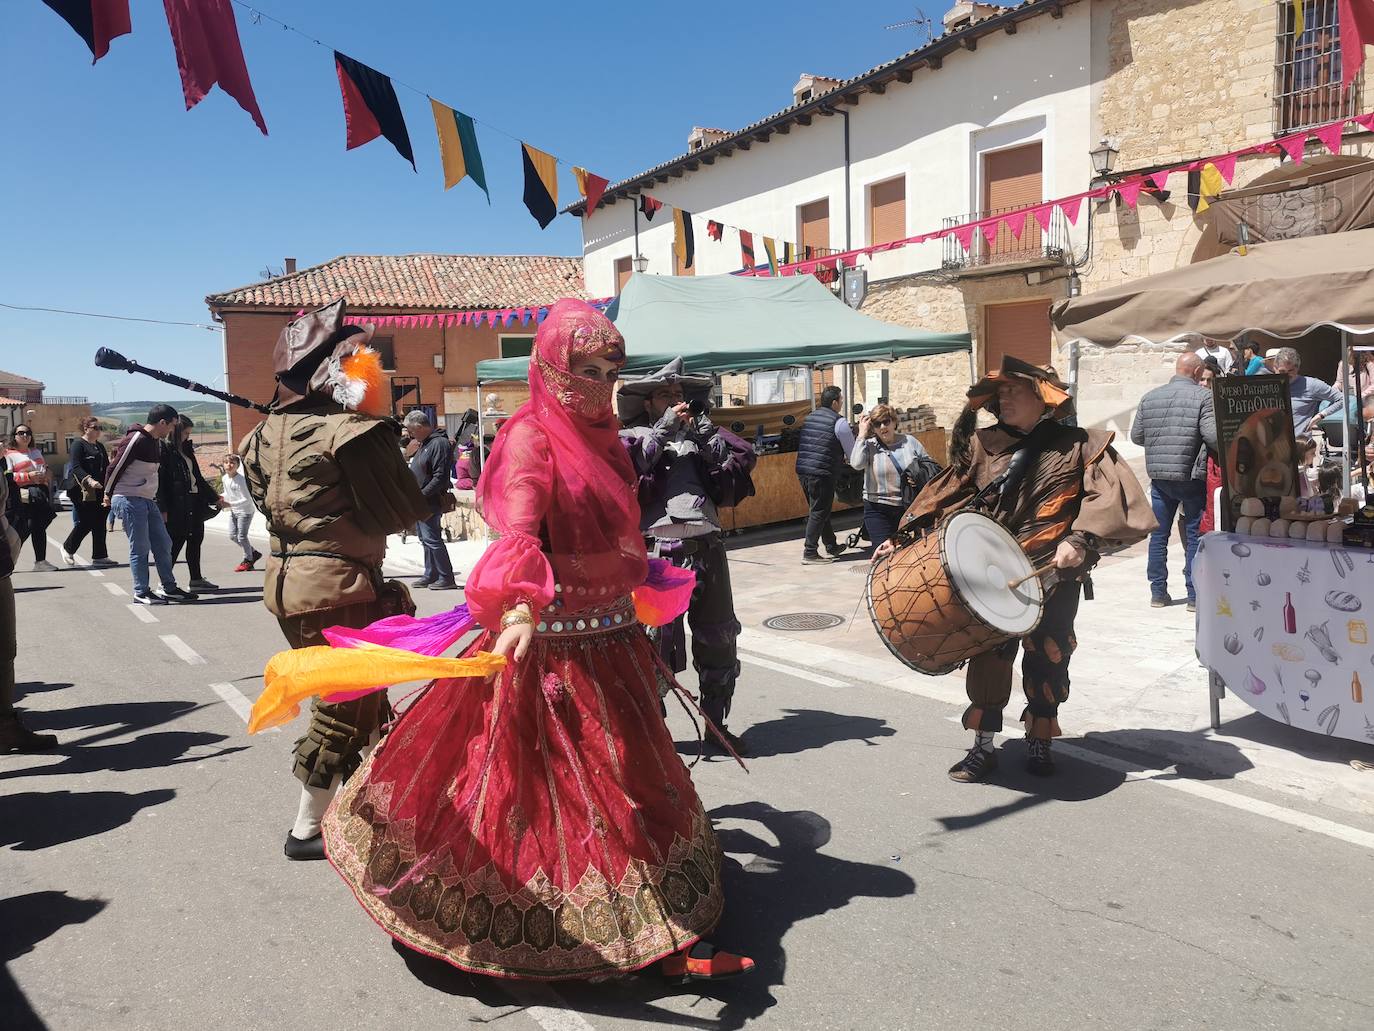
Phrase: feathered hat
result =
(317, 353)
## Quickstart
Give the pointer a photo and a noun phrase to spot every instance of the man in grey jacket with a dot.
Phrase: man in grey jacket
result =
(1172, 424)
(432, 466)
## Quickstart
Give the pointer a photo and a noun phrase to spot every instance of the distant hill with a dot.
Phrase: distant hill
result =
(205, 412)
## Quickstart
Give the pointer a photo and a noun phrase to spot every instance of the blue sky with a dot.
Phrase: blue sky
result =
(118, 200)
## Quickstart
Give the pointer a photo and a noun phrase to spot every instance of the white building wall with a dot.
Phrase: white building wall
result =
(1034, 85)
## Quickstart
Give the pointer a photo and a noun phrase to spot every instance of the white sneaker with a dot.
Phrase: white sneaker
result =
(68, 559)
(44, 567)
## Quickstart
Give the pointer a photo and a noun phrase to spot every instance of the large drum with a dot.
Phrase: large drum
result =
(943, 599)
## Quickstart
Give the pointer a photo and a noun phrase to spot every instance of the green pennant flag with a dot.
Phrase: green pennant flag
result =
(458, 147)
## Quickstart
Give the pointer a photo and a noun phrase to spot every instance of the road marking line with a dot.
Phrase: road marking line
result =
(1245, 803)
(141, 612)
(182, 649)
(551, 1016)
(116, 590)
(96, 573)
(238, 701)
(84, 563)
(792, 671)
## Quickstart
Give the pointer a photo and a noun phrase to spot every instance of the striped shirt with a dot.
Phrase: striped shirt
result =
(882, 482)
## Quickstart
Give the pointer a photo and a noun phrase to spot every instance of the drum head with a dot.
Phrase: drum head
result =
(981, 557)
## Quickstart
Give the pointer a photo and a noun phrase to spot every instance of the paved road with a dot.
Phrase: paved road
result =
(144, 887)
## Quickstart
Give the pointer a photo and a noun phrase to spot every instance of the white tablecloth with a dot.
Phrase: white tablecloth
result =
(1318, 675)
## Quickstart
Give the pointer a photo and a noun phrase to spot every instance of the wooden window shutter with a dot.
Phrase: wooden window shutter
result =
(623, 268)
(887, 211)
(1021, 330)
(815, 224)
(1014, 179)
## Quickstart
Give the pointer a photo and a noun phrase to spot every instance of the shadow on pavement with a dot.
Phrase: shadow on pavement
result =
(1195, 755)
(121, 717)
(40, 819)
(26, 920)
(801, 730)
(211, 599)
(1074, 781)
(34, 590)
(28, 687)
(148, 751)
(783, 885)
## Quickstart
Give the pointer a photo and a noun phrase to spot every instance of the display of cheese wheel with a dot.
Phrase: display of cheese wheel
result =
(1297, 530)
(1260, 527)
(1251, 507)
(1335, 533)
(1316, 532)
(1279, 528)
(1243, 525)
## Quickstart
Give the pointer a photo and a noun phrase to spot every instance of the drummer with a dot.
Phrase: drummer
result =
(1073, 496)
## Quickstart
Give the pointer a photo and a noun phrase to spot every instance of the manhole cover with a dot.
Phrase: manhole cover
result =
(803, 621)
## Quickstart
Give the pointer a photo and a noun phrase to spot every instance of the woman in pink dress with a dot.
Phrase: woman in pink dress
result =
(541, 825)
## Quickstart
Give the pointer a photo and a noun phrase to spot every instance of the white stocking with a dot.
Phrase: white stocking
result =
(314, 801)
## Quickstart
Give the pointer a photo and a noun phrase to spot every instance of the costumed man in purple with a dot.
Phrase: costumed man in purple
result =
(688, 468)
(326, 470)
(1064, 494)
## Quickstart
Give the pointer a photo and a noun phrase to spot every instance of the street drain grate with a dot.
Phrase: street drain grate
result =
(803, 621)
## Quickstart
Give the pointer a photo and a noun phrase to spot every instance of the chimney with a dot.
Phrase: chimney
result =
(290, 266)
(701, 137)
(810, 86)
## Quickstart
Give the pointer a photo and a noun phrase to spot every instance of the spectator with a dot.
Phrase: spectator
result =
(1209, 465)
(1308, 461)
(824, 441)
(15, 738)
(895, 468)
(234, 488)
(185, 499)
(1172, 423)
(462, 469)
(90, 463)
(1312, 399)
(131, 492)
(1250, 358)
(431, 459)
(30, 495)
(1218, 351)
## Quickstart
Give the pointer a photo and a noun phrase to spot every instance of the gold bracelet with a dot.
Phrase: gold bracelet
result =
(515, 618)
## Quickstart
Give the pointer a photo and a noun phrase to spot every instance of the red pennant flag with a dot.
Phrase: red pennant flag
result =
(648, 207)
(1330, 136)
(1294, 146)
(715, 230)
(1226, 165)
(206, 38)
(1365, 121)
(1160, 179)
(746, 251)
(370, 106)
(1130, 192)
(95, 21)
(1357, 32)
(591, 188)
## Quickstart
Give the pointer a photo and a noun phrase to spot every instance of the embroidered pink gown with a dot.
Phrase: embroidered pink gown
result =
(542, 826)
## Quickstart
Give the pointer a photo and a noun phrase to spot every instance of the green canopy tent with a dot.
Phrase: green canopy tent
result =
(721, 324)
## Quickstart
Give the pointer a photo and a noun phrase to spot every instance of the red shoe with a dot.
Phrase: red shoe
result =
(703, 962)
(243, 567)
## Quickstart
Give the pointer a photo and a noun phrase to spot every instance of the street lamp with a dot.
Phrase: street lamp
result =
(1075, 285)
(641, 263)
(1104, 157)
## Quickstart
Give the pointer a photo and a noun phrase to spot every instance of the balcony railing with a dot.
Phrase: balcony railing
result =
(1036, 245)
(63, 399)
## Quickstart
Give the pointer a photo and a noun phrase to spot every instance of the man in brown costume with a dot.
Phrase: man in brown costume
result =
(326, 470)
(1063, 501)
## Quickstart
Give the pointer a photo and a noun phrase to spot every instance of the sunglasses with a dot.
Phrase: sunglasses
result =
(883, 422)
(22, 433)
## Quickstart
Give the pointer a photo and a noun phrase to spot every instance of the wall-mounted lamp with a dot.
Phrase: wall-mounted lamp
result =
(1075, 285)
(641, 263)
(1104, 157)
(439, 362)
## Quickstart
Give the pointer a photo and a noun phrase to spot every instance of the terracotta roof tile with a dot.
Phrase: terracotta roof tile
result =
(423, 281)
(15, 378)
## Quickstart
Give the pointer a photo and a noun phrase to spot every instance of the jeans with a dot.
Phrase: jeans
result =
(89, 518)
(1165, 497)
(881, 521)
(238, 532)
(143, 526)
(438, 567)
(820, 496)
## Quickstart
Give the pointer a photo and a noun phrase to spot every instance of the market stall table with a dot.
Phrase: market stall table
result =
(1285, 625)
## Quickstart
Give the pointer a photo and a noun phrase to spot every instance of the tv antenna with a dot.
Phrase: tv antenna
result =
(922, 24)
(271, 273)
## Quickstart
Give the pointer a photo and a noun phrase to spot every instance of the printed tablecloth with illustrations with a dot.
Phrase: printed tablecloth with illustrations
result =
(1286, 626)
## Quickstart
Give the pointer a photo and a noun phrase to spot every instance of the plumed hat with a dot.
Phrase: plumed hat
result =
(629, 402)
(1053, 391)
(318, 354)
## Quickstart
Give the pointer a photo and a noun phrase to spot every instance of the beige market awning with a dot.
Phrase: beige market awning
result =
(1281, 289)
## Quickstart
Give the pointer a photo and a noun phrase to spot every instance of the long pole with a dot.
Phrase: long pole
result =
(848, 235)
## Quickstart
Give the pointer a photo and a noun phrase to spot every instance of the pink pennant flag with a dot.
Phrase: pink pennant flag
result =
(1365, 121)
(429, 321)
(1042, 215)
(1294, 146)
(964, 234)
(1226, 165)
(1071, 208)
(988, 227)
(493, 317)
(1330, 136)
(1160, 179)
(1130, 192)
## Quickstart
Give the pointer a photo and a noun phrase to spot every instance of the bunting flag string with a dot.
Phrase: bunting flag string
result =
(541, 184)
(209, 53)
(494, 317)
(95, 21)
(370, 107)
(458, 147)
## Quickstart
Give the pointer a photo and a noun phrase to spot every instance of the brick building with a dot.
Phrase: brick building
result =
(441, 360)
(55, 421)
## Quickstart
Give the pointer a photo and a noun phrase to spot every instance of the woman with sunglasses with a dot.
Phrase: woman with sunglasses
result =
(90, 465)
(29, 508)
(895, 467)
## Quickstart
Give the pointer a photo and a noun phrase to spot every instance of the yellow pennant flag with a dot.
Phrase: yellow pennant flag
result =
(1210, 186)
(771, 249)
(1299, 20)
(458, 147)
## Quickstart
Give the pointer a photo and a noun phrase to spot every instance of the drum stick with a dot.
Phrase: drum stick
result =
(1033, 574)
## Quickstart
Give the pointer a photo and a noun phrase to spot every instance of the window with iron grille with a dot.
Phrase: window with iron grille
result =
(1307, 67)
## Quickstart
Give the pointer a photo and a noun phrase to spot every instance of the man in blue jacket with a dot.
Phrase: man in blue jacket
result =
(432, 464)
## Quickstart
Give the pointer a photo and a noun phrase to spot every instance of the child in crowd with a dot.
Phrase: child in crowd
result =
(234, 492)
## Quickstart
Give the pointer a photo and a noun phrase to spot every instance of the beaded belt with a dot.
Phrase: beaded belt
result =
(609, 615)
